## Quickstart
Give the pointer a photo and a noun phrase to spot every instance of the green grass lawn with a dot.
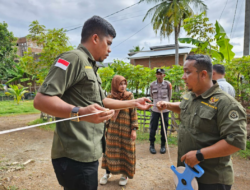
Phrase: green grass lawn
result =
(11, 107)
(50, 127)
(245, 153)
(143, 137)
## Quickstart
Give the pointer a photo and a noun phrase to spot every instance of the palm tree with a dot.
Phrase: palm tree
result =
(168, 16)
(136, 49)
(17, 92)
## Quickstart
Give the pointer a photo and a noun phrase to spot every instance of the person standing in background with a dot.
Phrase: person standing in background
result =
(218, 75)
(160, 90)
(120, 157)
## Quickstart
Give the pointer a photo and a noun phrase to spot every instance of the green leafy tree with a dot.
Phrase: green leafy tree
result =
(174, 75)
(106, 74)
(7, 51)
(53, 41)
(223, 42)
(168, 16)
(17, 91)
(201, 35)
(17, 74)
(136, 49)
(238, 75)
(208, 39)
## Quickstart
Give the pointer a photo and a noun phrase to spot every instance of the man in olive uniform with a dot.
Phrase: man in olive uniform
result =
(71, 88)
(160, 90)
(213, 125)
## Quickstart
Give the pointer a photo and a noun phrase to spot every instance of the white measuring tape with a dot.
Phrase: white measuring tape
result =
(51, 122)
(180, 169)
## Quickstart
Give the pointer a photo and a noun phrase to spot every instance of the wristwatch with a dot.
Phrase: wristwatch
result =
(74, 113)
(135, 129)
(199, 156)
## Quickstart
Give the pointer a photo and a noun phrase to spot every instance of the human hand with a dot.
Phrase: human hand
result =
(96, 118)
(162, 105)
(142, 103)
(133, 135)
(190, 158)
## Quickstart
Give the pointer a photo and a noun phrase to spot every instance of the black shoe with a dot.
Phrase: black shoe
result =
(163, 149)
(152, 149)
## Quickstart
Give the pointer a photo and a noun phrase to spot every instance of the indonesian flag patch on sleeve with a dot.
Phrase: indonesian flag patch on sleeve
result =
(63, 64)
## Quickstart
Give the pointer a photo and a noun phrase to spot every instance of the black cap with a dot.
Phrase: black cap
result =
(160, 71)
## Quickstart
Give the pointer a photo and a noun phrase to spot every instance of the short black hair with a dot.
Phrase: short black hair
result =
(202, 62)
(219, 69)
(97, 25)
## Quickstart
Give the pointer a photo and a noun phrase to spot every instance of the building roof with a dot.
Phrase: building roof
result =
(170, 46)
(168, 52)
(21, 40)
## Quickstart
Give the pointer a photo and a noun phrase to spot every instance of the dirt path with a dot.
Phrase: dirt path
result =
(152, 171)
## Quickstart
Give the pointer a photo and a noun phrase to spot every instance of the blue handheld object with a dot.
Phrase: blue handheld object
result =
(185, 178)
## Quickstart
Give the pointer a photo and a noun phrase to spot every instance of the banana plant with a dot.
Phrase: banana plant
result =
(17, 91)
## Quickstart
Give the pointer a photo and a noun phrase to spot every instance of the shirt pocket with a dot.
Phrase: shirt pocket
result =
(184, 112)
(90, 85)
(164, 93)
(155, 93)
(205, 120)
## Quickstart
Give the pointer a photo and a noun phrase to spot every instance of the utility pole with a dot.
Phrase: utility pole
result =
(246, 50)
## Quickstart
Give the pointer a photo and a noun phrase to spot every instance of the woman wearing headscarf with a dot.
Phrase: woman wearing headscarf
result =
(119, 157)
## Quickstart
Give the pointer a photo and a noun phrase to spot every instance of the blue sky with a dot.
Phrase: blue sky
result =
(69, 14)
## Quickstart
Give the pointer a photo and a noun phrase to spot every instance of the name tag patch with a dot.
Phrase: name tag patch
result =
(63, 64)
(88, 67)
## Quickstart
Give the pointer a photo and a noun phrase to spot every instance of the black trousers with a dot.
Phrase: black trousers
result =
(214, 186)
(74, 175)
(154, 120)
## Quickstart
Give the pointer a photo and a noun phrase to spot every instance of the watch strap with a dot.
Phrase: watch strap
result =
(199, 156)
(74, 113)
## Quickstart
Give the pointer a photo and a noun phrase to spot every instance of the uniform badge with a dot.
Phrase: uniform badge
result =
(88, 67)
(63, 64)
(213, 100)
(233, 115)
(170, 85)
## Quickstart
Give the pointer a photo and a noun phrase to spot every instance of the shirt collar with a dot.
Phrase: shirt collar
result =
(219, 80)
(161, 83)
(210, 91)
(90, 57)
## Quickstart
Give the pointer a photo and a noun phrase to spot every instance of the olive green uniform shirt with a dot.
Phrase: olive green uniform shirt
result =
(205, 120)
(79, 85)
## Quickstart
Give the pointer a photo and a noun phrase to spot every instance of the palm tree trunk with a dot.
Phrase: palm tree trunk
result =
(176, 34)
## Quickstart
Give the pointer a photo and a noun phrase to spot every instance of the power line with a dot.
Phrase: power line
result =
(107, 15)
(111, 21)
(223, 10)
(132, 35)
(237, 21)
(122, 9)
(129, 13)
(127, 18)
(73, 28)
(234, 18)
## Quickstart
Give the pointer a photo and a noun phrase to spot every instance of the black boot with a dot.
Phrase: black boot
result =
(152, 148)
(163, 148)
